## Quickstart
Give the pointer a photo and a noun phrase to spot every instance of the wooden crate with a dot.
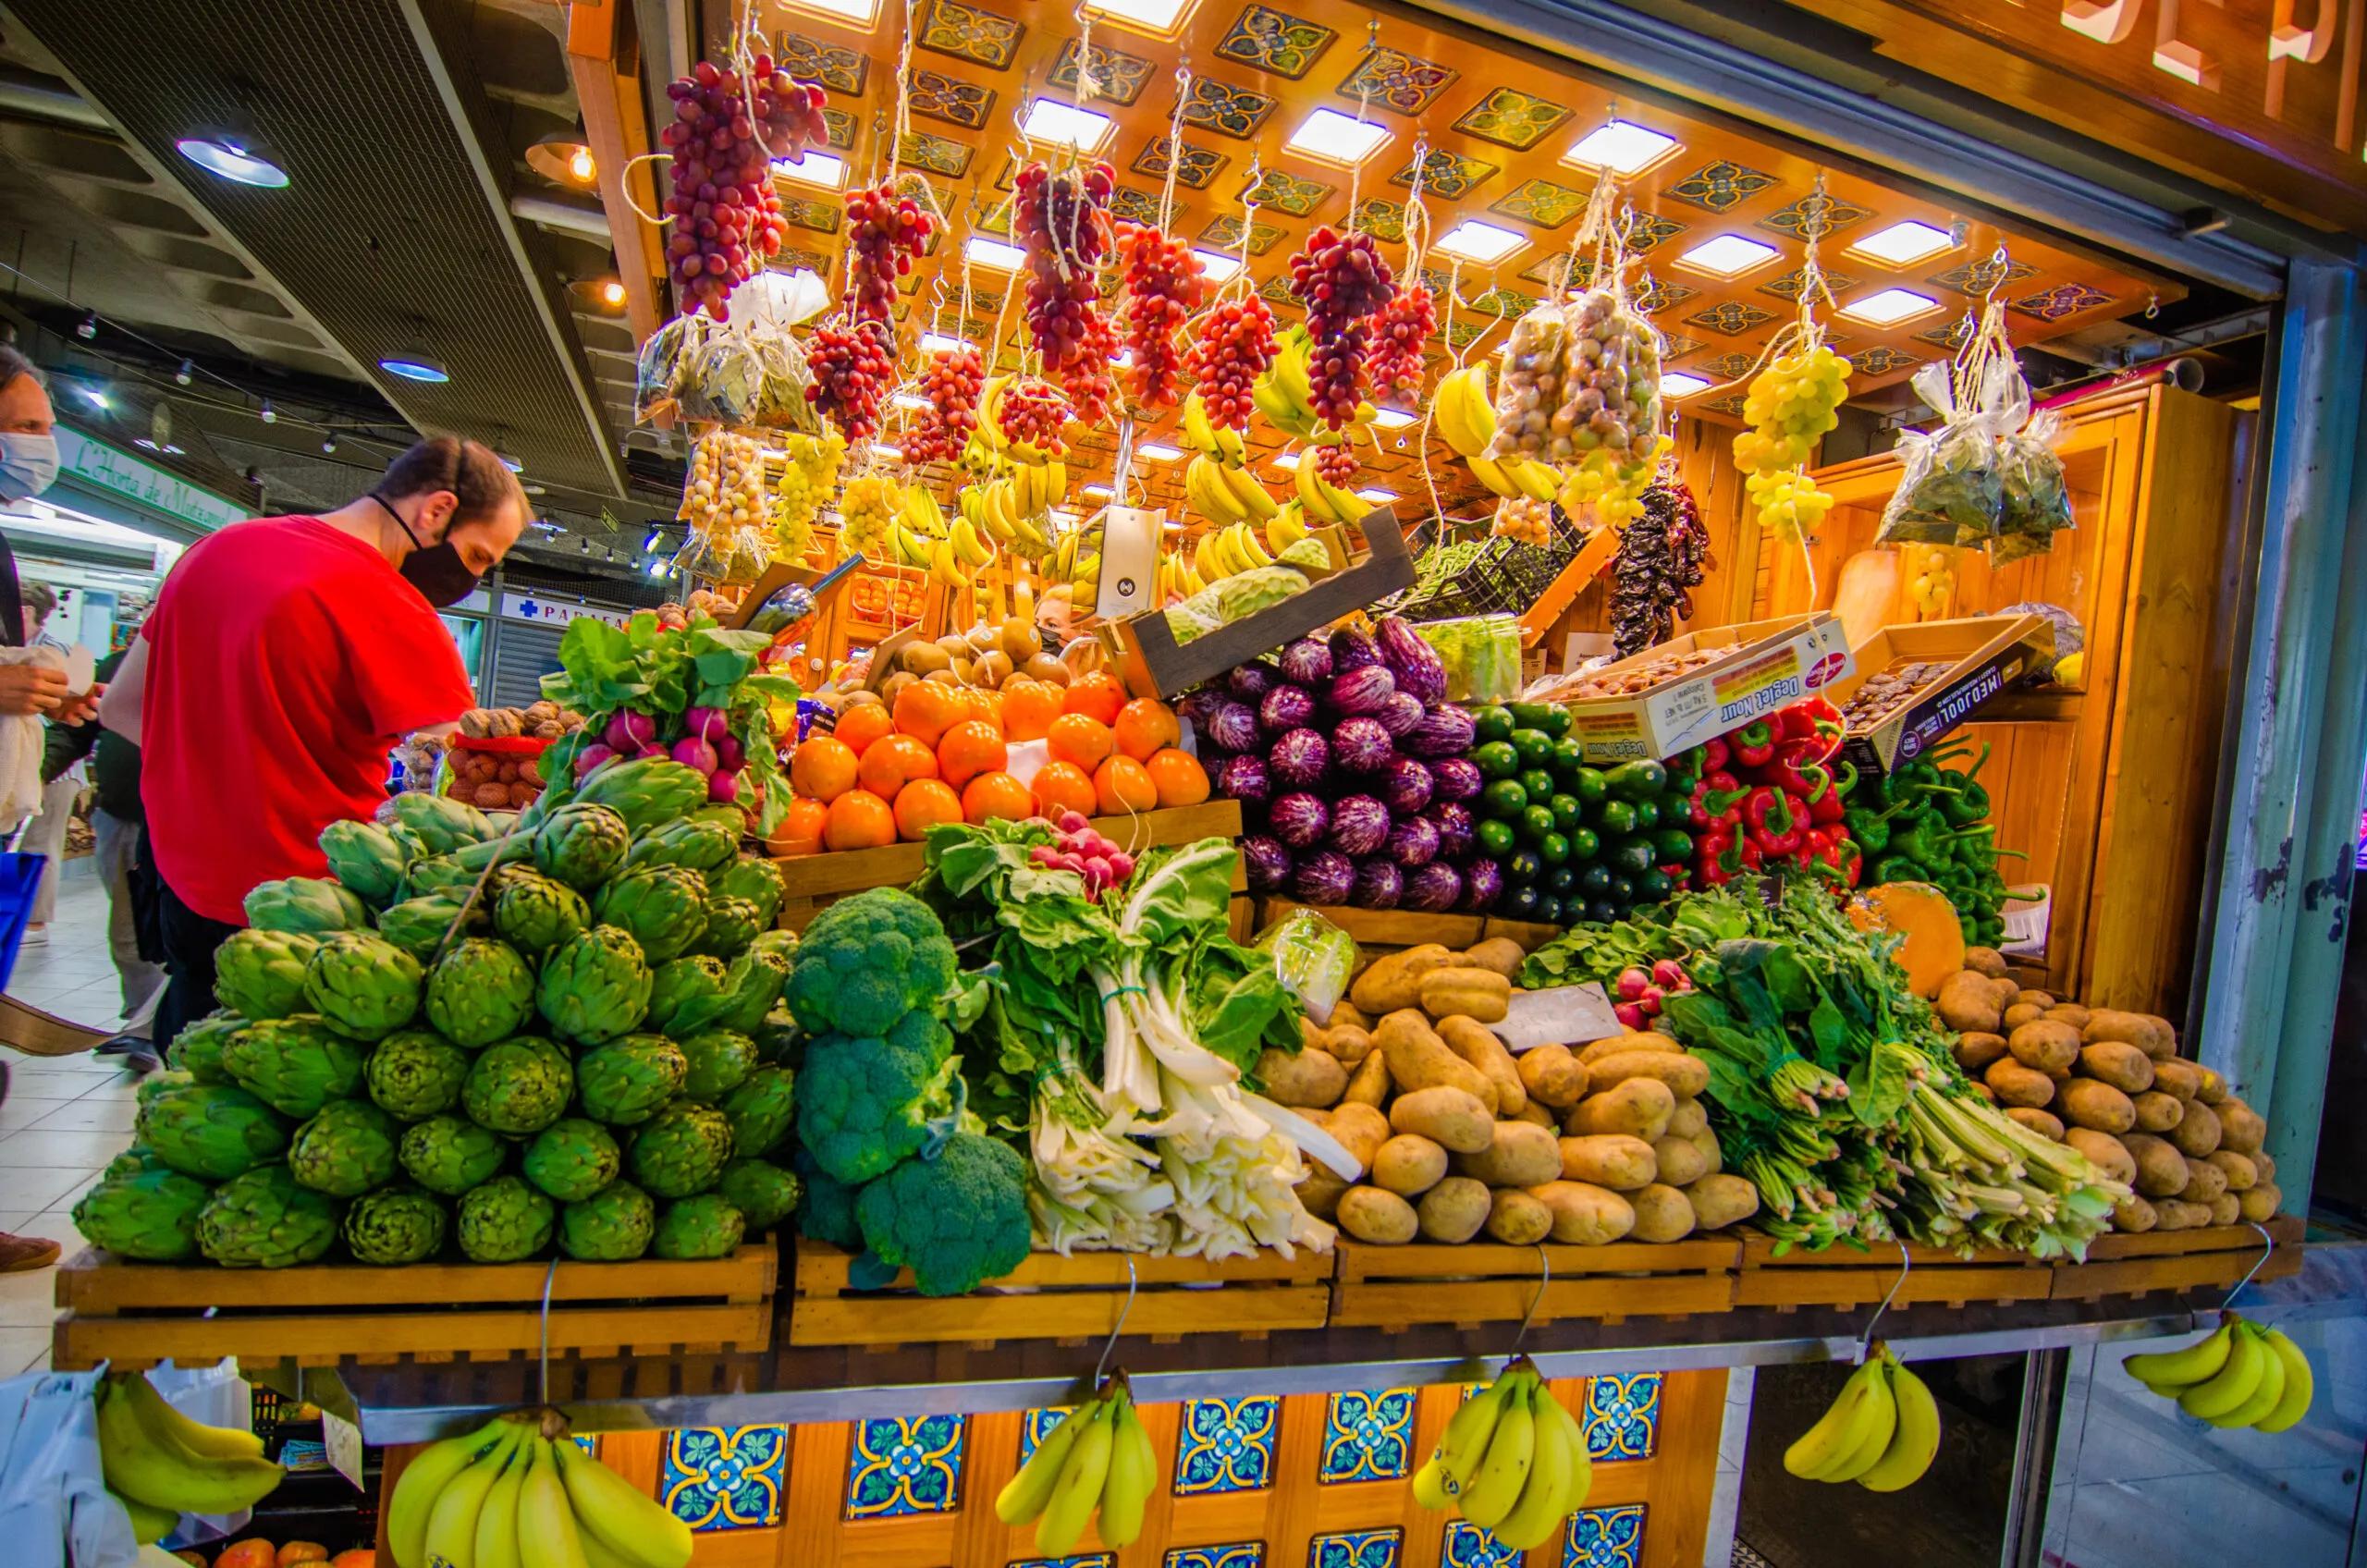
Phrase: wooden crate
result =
(139, 1313)
(2179, 1260)
(1842, 1276)
(1051, 1297)
(1397, 1287)
(1408, 928)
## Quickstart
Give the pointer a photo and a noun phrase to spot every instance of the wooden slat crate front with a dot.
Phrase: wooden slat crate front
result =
(1843, 1276)
(1483, 1282)
(137, 1314)
(2179, 1260)
(1051, 1297)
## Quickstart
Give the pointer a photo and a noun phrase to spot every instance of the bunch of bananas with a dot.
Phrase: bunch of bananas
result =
(951, 552)
(996, 508)
(517, 1494)
(1461, 413)
(1098, 1458)
(160, 1465)
(2242, 1375)
(1209, 440)
(1881, 1431)
(867, 506)
(1322, 501)
(1512, 1460)
(1076, 558)
(1283, 394)
(1224, 493)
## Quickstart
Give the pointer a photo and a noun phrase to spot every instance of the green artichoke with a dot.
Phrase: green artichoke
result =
(661, 907)
(761, 1110)
(774, 944)
(687, 995)
(572, 1159)
(479, 992)
(420, 925)
(629, 1080)
(681, 1150)
(265, 1220)
(197, 1050)
(439, 874)
(137, 1160)
(536, 913)
(504, 1220)
(612, 1226)
(720, 1061)
(397, 1224)
(157, 1084)
(312, 906)
(415, 1072)
(701, 844)
(151, 1215)
(518, 1086)
(732, 924)
(364, 984)
(644, 791)
(752, 985)
(440, 823)
(594, 986)
(295, 1064)
(366, 858)
(753, 878)
(446, 1154)
(346, 1150)
(581, 844)
(260, 973)
(764, 1194)
(779, 1040)
(212, 1131)
(704, 1226)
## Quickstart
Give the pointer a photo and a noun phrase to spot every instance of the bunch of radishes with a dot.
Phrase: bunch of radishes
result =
(706, 743)
(1079, 848)
(1641, 992)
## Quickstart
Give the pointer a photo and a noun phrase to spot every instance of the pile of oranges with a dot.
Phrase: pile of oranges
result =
(940, 753)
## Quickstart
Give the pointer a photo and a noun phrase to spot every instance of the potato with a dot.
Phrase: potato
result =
(1517, 1219)
(2157, 1112)
(1389, 982)
(2069, 1013)
(2147, 1033)
(1419, 1059)
(1520, 1155)
(2241, 1173)
(1408, 1164)
(1720, 1201)
(2014, 1085)
(1361, 1128)
(1610, 1160)
(1466, 989)
(2265, 1163)
(2205, 1182)
(1686, 1074)
(1454, 1210)
(1640, 1107)
(1452, 1118)
(1680, 1162)
(1346, 1043)
(1320, 1191)
(2214, 1089)
(1966, 1004)
(1371, 1215)
(2025, 996)
(1475, 1044)
(2020, 1013)
(2260, 1202)
(1974, 1051)
(1309, 1078)
(2242, 1128)
(2123, 1066)
(1706, 1142)
(1552, 1075)
(2227, 1209)
(1537, 1115)
(2197, 1132)
(1370, 1083)
(2179, 1215)
(1584, 1214)
(2044, 1046)
(1500, 955)
(2104, 1152)
(2160, 1170)
(1985, 961)
(2173, 1075)
(1690, 1117)
(1635, 1040)
(2134, 1215)
(2083, 1102)
(1663, 1214)
(2044, 1124)
(1345, 1015)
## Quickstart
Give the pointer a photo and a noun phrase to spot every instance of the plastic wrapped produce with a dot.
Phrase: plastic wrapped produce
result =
(1529, 387)
(1314, 958)
(1610, 380)
(2035, 503)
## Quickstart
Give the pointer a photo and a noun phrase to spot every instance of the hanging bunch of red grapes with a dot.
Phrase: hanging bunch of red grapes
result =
(725, 131)
(1061, 221)
(950, 380)
(1343, 283)
(885, 231)
(1235, 346)
(1163, 288)
(853, 364)
(1400, 329)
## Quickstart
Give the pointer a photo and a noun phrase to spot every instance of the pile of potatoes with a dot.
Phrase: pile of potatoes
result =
(1457, 1135)
(2112, 1085)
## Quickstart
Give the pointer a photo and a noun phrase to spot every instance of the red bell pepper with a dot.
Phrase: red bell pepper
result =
(1773, 819)
(1796, 770)
(1823, 722)
(1828, 807)
(1716, 754)
(1754, 743)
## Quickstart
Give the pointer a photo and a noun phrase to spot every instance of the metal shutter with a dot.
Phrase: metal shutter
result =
(527, 650)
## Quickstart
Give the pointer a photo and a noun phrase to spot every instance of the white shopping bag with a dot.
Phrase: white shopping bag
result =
(55, 1511)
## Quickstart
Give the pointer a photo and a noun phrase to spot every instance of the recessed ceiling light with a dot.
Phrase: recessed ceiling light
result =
(145, 445)
(1152, 15)
(612, 292)
(816, 167)
(1216, 266)
(1098, 491)
(1902, 243)
(1337, 138)
(232, 162)
(1151, 451)
(994, 253)
(1377, 497)
(1727, 255)
(937, 342)
(98, 398)
(1678, 383)
(861, 11)
(1890, 307)
(535, 489)
(1622, 147)
(1286, 459)
(912, 400)
(411, 367)
(1392, 419)
(894, 454)
(1476, 241)
(1064, 125)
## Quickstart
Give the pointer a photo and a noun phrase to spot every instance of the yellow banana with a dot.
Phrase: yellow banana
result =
(1192, 580)
(1134, 1470)
(1429, 1486)
(1544, 1500)
(2170, 1371)
(1230, 448)
(1287, 528)
(497, 1542)
(1204, 561)
(1254, 547)
(547, 1537)
(595, 1554)
(1581, 1466)
(451, 1540)
(1834, 1440)
(1064, 556)
(148, 1525)
(1198, 433)
(1464, 1445)
(942, 567)
(990, 411)
(1024, 1495)
(1055, 482)
(1310, 499)
(147, 1462)
(1464, 416)
(1915, 1440)
(426, 1475)
(968, 545)
(2266, 1395)
(1257, 505)
(631, 1524)
(1027, 539)
(1537, 481)
(1492, 475)
(1346, 505)
(2301, 1385)
(1510, 1450)
(1079, 1487)
(160, 1417)
(1875, 1425)
(2233, 1384)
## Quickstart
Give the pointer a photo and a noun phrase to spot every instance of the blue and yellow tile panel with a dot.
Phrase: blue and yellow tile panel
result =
(1622, 1416)
(1605, 1537)
(905, 1464)
(1226, 1445)
(725, 1477)
(1355, 1549)
(1369, 1435)
(1468, 1546)
(1236, 1554)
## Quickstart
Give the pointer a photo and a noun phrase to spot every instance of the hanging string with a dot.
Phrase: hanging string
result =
(904, 96)
(1175, 144)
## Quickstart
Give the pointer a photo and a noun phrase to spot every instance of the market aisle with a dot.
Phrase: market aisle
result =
(72, 975)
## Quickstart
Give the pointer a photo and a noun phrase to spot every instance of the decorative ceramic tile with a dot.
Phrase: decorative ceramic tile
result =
(838, 128)
(1274, 41)
(1082, 1560)
(949, 99)
(1241, 1554)
(1134, 206)
(1382, 218)
(725, 1477)
(795, 258)
(1622, 1413)
(1224, 234)
(994, 219)
(1367, 1437)
(1226, 1445)
(1391, 78)
(1721, 186)
(1276, 291)
(1198, 167)
(1287, 192)
(1512, 118)
(1789, 287)
(1355, 1549)
(1675, 345)
(1504, 302)
(1117, 76)
(1560, 270)
(1236, 112)
(1882, 360)
(1979, 277)
(1651, 296)
(2063, 299)
(1540, 201)
(1464, 331)
(1446, 173)
(1467, 1546)
(1605, 1537)
(1816, 215)
(1951, 337)
(905, 1464)
(809, 59)
(968, 32)
(821, 216)
(1649, 232)
(939, 154)
(1726, 367)
(1732, 318)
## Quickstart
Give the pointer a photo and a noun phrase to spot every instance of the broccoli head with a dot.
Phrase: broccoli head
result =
(864, 1102)
(956, 1221)
(828, 1212)
(867, 961)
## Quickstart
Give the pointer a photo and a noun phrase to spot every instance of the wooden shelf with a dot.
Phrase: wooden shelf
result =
(2045, 706)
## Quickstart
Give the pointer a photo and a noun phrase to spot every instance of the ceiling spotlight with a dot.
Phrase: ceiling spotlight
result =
(650, 542)
(586, 544)
(612, 292)
(269, 415)
(532, 489)
(512, 464)
(253, 476)
(98, 398)
(181, 376)
(413, 367)
(232, 161)
(328, 445)
(89, 328)
(581, 166)
(562, 155)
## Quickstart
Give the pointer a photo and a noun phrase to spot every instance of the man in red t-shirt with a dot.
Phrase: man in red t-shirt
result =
(284, 658)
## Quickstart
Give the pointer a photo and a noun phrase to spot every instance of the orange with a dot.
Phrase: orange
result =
(859, 726)
(968, 750)
(1097, 695)
(823, 769)
(922, 804)
(799, 832)
(1123, 785)
(1177, 776)
(998, 797)
(859, 820)
(926, 709)
(1143, 726)
(892, 762)
(1028, 709)
(980, 702)
(1063, 786)
(1078, 739)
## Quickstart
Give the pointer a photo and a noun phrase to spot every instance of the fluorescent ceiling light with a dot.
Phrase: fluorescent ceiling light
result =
(894, 454)
(1622, 147)
(1062, 516)
(1728, 255)
(1677, 383)
(232, 162)
(1902, 243)
(1102, 491)
(816, 167)
(1216, 266)
(413, 367)
(1476, 241)
(168, 449)
(1376, 497)
(512, 464)
(1156, 15)
(1337, 138)
(98, 398)
(1890, 307)
(937, 342)
(862, 11)
(1392, 419)
(1151, 451)
(993, 254)
(912, 400)
(1286, 459)
(1064, 125)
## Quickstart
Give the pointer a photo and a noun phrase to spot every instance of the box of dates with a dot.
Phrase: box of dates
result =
(1698, 686)
(1915, 683)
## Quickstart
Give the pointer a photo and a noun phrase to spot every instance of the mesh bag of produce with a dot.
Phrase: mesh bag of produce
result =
(1952, 492)
(499, 772)
(1610, 380)
(1529, 387)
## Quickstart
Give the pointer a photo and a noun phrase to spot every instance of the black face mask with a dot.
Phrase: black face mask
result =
(436, 570)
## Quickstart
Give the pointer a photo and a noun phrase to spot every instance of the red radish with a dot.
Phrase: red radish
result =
(692, 752)
(1630, 1014)
(1044, 855)
(591, 757)
(722, 788)
(1121, 865)
(1631, 984)
(1073, 822)
(1651, 999)
(707, 724)
(730, 755)
(629, 731)
(1669, 973)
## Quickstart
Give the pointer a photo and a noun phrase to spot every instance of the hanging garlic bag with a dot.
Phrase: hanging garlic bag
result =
(658, 371)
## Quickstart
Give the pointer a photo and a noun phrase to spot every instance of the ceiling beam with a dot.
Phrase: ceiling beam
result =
(609, 97)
